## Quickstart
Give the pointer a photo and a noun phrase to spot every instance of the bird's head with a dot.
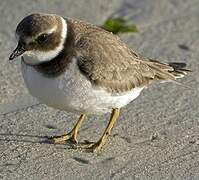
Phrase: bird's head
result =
(41, 37)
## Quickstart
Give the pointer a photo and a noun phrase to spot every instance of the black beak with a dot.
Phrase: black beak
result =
(17, 52)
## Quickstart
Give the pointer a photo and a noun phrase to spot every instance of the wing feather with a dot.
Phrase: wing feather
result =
(109, 63)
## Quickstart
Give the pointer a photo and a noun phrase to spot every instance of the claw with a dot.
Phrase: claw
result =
(91, 147)
(96, 147)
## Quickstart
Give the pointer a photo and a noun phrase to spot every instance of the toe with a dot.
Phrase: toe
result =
(59, 139)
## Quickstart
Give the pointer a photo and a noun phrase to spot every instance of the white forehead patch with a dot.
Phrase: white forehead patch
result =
(36, 57)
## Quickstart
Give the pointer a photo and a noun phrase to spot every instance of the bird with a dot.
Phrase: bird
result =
(77, 67)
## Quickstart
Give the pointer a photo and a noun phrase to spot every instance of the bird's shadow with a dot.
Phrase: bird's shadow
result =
(34, 139)
(27, 138)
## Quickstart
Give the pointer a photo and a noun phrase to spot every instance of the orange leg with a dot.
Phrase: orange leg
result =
(96, 147)
(72, 135)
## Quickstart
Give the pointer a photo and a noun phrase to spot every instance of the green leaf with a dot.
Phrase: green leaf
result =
(119, 25)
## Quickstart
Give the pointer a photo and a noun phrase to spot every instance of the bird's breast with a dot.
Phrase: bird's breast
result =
(73, 92)
(70, 91)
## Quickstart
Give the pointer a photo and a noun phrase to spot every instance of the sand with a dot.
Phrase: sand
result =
(156, 136)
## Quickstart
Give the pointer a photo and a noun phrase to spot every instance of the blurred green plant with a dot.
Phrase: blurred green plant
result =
(119, 25)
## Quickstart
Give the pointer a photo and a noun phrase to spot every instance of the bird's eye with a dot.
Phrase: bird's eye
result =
(42, 38)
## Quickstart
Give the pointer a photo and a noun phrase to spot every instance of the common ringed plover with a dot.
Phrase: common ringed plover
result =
(75, 66)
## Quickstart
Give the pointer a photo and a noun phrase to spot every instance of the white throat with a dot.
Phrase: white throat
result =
(36, 57)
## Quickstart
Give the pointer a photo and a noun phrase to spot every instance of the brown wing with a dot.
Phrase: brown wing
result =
(109, 63)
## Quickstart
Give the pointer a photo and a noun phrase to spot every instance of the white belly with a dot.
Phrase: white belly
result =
(72, 92)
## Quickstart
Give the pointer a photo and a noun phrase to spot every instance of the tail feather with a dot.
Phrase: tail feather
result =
(177, 66)
(179, 70)
(170, 71)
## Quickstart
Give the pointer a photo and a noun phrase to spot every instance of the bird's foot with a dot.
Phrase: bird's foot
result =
(63, 138)
(94, 147)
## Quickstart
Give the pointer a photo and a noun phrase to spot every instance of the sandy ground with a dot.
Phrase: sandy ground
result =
(156, 137)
